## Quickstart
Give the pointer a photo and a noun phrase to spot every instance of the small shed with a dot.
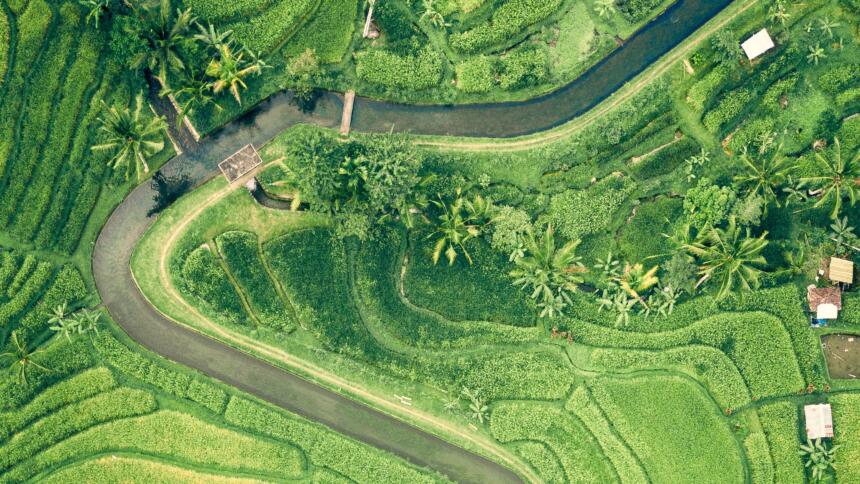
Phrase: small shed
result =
(758, 44)
(841, 271)
(819, 421)
(825, 302)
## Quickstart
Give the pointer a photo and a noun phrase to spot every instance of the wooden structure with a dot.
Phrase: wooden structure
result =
(819, 421)
(346, 119)
(824, 302)
(758, 44)
(240, 163)
(369, 19)
(841, 271)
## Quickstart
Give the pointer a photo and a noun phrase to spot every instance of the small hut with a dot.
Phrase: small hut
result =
(758, 44)
(841, 271)
(819, 421)
(824, 302)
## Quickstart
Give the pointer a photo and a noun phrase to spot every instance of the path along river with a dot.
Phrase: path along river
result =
(128, 307)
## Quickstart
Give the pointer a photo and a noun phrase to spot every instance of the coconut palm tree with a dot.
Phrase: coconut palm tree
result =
(550, 272)
(61, 323)
(96, 9)
(22, 358)
(604, 8)
(210, 36)
(838, 178)
(826, 26)
(454, 228)
(764, 175)
(729, 256)
(230, 68)
(130, 137)
(195, 93)
(816, 53)
(819, 458)
(164, 35)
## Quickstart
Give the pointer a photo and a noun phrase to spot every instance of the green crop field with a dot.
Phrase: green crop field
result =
(629, 296)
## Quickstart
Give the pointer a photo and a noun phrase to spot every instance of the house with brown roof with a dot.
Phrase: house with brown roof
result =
(824, 302)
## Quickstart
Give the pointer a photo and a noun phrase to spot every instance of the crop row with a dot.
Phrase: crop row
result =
(411, 72)
(274, 25)
(41, 187)
(72, 419)
(220, 9)
(72, 390)
(758, 455)
(29, 292)
(358, 462)
(542, 459)
(586, 409)
(174, 383)
(43, 84)
(67, 287)
(508, 21)
(4, 47)
(204, 278)
(328, 32)
(846, 415)
(713, 368)
(516, 70)
(32, 28)
(241, 253)
(183, 437)
(577, 449)
(669, 437)
(780, 424)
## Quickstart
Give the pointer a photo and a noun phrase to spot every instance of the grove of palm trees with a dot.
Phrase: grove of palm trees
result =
(654, 284)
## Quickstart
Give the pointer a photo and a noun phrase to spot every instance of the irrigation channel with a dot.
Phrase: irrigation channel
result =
(146, 325)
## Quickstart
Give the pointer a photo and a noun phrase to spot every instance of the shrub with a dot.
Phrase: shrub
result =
(642, 237)
(4, 51)
(666, 160)
(242, 255)
(670, 444)
(521, 375)
(838, 78)
(636, 10)
(707, 205)
(780, 425)
(728, 109)
(577, 450)
(476, 74)
(848, 98)
(413, 72)
(509, 20)
(575, 213)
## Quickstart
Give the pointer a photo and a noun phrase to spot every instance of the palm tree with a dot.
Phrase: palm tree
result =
(826, 26)
(61, 322)
(453, 230)
(22, 358)
(838, 179)
(96, 10)
(694, 162)
(819, 457)
(620, 304)
(548, 271)
(164, 36)
(210, 36)
(842, 234)
(764, 175)
(816, 53)
(729, 256)
(88, 321)
(131, 138)
(635, 280)
(476, 405)
(604, 8)
(195, 93)
(229, 69)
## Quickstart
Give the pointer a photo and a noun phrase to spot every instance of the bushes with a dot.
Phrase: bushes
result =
(274, 24)
(576, 213)
(624, 461)
(706, 88)
(728, 109)
(780, 425)
(636, 10)
(241, 253)
(578, 451)
(712, 368)
(4, 50)
(178, 384)
(75, 389)
(509, 20)
(669, 437)
(413, 72)
(221, 9)
(642, 237)
(522, 68)
(181, 436)
(63, 423)
(358, 462)
(839, 78)
(203, 277)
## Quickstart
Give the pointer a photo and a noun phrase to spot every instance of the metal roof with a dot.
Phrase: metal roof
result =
(758, 44)
(819, 421)
(841, 270)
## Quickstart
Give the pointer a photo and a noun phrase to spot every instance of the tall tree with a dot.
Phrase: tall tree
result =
(130, 137)
(22, 358)
(838, 178)
(164, 34)
(729, 256)
(454, 228)
(764, 174)
(230, 68)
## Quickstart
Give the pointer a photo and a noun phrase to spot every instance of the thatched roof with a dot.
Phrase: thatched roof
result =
(823, 295)
(841, 270)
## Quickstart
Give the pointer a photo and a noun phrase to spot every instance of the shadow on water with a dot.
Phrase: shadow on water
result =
(842, 352)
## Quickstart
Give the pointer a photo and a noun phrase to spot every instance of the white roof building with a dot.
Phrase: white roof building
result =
(758, 44)
(819, 421)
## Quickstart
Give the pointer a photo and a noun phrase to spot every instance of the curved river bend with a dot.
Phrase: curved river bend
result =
(128, 307)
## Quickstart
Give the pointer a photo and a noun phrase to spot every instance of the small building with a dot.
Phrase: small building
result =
(819, 421)
(758, 44)
(824, 302)
(841, 271)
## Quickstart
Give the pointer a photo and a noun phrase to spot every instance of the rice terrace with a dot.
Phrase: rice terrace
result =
(400, 241)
